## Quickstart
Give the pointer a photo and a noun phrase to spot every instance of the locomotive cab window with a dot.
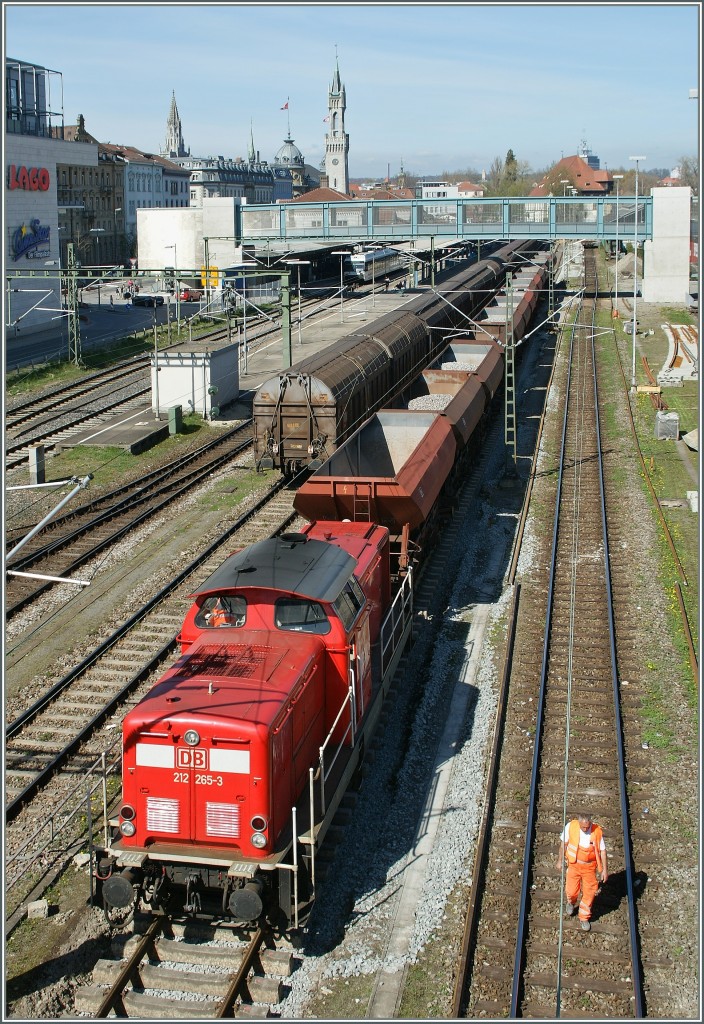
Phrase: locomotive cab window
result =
(300, 615)
(222, 610)
(350, 603)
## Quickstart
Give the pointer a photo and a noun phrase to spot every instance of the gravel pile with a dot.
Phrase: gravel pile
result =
(430, 402)
(460, 365)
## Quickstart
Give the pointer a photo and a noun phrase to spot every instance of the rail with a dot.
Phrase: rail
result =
(69, 811)
(522, 910)
(526, 874)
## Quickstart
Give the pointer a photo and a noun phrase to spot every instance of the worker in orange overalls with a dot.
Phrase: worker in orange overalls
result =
(583, 848)
(219, 616)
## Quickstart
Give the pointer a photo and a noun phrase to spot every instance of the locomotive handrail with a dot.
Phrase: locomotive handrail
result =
(321, 750)
(404, 601)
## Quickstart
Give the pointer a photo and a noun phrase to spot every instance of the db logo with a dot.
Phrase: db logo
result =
(191, 757)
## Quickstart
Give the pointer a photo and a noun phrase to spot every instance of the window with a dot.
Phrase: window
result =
(300, 615)
(349, 604)
(222, 610)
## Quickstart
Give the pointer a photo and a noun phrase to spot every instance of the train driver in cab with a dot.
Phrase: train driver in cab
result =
(221, 610)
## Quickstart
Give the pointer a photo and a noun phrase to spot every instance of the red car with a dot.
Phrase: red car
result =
(191, 295)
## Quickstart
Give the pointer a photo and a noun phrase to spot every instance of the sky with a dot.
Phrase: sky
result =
(430, 87)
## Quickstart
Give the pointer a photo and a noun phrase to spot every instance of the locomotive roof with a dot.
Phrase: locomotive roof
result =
(291, 563)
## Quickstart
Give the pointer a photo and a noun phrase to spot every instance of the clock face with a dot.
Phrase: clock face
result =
(335, 161)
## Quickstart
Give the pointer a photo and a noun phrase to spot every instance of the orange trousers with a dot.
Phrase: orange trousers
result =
(582, 876)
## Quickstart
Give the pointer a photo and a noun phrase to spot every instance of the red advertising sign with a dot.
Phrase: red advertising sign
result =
(32, 179)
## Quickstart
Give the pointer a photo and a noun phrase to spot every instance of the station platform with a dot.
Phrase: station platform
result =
(139, 430)
(265, 358)
(136, 432)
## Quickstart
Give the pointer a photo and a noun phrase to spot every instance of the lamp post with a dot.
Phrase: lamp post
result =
(178, 290)
(617, 178)
(96, 233)
(244, 267)
(341, 253)
(635, 276)
(298, 264)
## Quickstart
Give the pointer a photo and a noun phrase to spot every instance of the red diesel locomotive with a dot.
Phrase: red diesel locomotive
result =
(236, 760)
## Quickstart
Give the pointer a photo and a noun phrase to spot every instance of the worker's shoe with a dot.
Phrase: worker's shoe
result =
(586, 927)
(570, 909)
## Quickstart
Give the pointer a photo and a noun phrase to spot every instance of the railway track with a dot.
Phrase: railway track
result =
(562, 750)
(75, 538)
(183, 969)
(49, 735)
(60, 420)
(54, 417)
(66, 395)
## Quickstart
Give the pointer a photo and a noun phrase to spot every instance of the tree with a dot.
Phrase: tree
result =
(510, 177)
(495, 176)
(510, 169)
(689, 172)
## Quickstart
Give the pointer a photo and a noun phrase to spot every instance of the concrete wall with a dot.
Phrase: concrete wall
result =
(666, 256)
(187, 379)
(159, 229)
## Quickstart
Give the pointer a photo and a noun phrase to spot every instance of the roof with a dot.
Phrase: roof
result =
(242, 676)
(583, 177)
(392, 192)
(134, 155)
(73, 133)
(290, 563)
(468, 186)
(322, 195)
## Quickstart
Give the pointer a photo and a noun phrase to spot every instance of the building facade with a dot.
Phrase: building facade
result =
(35, 149)
(216, 177)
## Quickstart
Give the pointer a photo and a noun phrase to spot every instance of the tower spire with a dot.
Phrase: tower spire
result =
(337, 141)
(174, 146)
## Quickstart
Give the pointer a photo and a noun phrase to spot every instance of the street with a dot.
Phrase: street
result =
(100, 324)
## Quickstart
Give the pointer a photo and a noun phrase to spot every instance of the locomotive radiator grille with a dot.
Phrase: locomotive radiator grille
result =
(222, 820)
(162, 814)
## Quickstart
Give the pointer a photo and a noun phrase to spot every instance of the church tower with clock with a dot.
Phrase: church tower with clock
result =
(337, 142)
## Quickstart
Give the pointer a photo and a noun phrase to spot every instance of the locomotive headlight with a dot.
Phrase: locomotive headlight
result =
(127, 812)
(258, 840)
(258, 823)
(191, 737)
(128, 828)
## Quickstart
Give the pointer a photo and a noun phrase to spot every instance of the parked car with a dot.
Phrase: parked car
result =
(147, 300)
(191, 295)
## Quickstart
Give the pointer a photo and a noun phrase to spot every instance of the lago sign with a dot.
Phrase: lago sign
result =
(32, 179)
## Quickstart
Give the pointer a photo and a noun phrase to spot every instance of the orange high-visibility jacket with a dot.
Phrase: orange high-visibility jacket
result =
(584, 854)
(220, 617)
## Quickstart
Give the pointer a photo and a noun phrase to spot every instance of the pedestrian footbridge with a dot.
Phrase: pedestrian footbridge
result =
(599, 219)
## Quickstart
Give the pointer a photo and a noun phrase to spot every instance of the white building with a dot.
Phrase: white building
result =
(31, 212)
(178, 238)
(151, 182)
